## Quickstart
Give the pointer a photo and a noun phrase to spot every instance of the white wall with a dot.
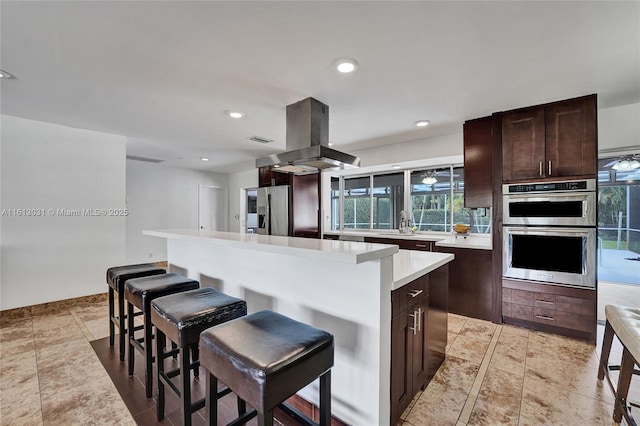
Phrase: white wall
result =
(161, 197)
(50, 167)
(439, 146)
(238, 182)
(619, 128)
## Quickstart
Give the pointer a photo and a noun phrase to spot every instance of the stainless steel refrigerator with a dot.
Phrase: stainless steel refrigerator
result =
(273, 210)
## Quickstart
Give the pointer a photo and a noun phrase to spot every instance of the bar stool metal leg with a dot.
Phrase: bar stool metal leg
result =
(624, 382)
(211, 400)
(123, 330)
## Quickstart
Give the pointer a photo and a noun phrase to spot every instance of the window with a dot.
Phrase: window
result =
(357, 203)
(335, 203)
(388, 200)
(436, 201)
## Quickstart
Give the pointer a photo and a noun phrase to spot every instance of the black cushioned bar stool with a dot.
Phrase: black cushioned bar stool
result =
(181, 317)
(116, 277)
(139, 292)
(265, 358)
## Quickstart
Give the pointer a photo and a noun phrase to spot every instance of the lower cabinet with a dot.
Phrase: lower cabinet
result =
(471, 282)
(418, 336)
(563, 310)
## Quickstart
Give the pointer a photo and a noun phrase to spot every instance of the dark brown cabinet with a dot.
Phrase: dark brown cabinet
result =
(550, 141)
(305, 205)
(563, 310)
(478, 164)
(268, 177)
(470, 282)
(402, 243)
(418, 336)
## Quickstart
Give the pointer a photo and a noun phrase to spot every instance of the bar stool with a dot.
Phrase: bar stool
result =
(181, 317)
(624, 323)
(116, 278)
(139, 292)
(265, 358)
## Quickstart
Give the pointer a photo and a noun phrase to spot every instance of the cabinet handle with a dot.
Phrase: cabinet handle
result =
(415, 293)
(545, 301)
(421, 245)
(550, 168)
(545, 317)
(419, 318)
(416, 325)
(541, 168)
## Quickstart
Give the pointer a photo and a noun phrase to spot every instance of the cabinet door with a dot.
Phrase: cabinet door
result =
(478, 154)
(401, 351)
(437, 318)
(571, 137)
(418, 328)
(523, 144)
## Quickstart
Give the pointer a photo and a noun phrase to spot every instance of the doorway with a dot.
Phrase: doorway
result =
(618, 235)
(212, 208)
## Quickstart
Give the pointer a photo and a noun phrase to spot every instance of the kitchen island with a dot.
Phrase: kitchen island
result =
(342, 287)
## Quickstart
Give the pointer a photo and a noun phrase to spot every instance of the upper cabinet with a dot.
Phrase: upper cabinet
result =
(550, 141)
(478, 164)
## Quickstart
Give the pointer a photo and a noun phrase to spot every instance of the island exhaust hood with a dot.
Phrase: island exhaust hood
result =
(308, 142)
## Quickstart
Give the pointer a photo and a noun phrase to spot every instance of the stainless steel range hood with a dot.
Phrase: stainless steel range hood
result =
(308, 142)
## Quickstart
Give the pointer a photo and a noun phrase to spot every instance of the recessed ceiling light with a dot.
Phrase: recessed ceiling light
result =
(330, 143)
(234, 114)
(4, 74)
(204, 158)
(422, 123)
(395, 167)
(346, 65)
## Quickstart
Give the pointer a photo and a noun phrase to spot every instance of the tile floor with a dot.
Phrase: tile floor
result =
(493, 375)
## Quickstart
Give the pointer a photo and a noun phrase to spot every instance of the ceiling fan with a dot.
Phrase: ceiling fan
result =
(430, 177)
(625, 163)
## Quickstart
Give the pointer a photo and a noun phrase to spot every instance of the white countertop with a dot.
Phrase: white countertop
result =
(435, 236)
(337, 251)
(411, 264)
(469, 242)
(442, 239)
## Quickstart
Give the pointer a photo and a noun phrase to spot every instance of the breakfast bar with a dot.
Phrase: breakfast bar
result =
(339, 286)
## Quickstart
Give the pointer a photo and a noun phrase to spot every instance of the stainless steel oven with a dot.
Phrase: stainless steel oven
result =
(549, 232)
(568, 203)
(551, 255)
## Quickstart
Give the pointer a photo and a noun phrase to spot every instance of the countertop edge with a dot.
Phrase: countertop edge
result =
(336, 251)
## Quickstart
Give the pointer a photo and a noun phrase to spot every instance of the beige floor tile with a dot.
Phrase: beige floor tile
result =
(502, 389)
(468, 348)
(16, 337)
(552, 346)
(55, 328)
(487, 414)
(580, 379)
(18, 369)
(511, 351)
(443, 399)
(20, 402)
(478, 329)
(451, 337)
(455, 323)
(547, 404)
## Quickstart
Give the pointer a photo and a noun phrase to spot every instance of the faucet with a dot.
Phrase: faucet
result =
(405, 222)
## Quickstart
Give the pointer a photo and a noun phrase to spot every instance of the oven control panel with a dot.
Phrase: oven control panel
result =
(565, 186)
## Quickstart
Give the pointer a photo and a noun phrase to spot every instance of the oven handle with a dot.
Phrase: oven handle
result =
(537, 229)
(542, 196)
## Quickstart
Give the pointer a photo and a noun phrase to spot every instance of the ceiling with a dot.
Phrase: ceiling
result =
(162, 73)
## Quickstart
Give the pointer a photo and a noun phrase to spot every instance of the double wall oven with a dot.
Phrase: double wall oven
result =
(549, 232)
